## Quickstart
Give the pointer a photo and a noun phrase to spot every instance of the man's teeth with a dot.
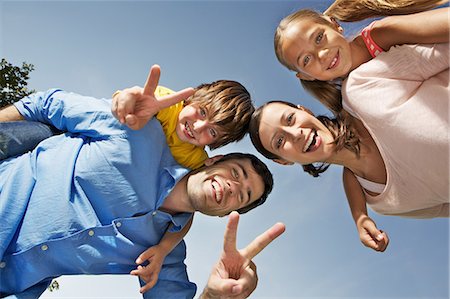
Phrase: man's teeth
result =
(217, 191)
(188, 130)
(309, 141)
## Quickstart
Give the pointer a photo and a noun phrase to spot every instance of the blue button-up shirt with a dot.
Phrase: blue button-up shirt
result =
(86, 201)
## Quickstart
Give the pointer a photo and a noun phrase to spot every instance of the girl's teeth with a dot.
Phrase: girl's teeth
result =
(308, 142)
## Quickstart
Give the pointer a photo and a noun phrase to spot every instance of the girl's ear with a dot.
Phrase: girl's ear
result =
(303, 76)
(283, 162)
(335, 24)
(305, 109)
(212, 160)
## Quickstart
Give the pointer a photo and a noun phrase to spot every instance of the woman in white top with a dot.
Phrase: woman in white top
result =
(393, 144)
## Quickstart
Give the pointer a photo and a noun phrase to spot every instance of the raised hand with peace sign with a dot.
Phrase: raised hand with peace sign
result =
(234, 275)
(135, 106)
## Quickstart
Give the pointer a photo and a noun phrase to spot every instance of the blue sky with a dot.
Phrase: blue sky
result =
(95, 48)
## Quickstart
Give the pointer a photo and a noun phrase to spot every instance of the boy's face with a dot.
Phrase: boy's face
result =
(194, 126)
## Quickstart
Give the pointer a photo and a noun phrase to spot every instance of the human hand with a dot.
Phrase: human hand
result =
(234, 275)
(149, 274)
(370, 235)
(135, 106)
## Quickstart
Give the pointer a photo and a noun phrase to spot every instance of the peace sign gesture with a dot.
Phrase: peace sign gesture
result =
(135, 106)
(234, 275)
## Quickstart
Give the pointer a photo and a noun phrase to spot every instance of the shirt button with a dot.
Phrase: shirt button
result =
(91, 233)
(44, 247)
(119, 224)
(154, 213)
(2, 265)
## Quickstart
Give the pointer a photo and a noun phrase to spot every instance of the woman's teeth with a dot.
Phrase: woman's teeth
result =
(310, 142)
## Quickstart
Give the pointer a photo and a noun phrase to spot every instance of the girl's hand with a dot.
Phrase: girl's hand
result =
(370, 235)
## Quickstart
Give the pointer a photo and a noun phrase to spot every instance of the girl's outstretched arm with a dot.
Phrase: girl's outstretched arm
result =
(428, 27)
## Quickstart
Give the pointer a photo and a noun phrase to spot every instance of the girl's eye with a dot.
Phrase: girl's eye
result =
(319, 38)
(306, 60)
(279, 142)
(202, 112)
(213, 133)
(290, 119)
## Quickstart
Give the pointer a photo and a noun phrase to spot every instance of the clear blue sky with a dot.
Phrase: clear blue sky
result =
(95, 48)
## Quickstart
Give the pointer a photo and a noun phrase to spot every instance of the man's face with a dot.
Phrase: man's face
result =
(223, 187)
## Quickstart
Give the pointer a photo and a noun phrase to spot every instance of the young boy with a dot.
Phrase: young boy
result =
(215, 115)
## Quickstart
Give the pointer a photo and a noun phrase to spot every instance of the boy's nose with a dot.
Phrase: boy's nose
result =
(199, 125)
(323, 53)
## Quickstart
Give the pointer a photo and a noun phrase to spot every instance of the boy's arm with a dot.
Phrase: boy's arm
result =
(10, 113)
(426, 27)
(156, 255)
(369, 235)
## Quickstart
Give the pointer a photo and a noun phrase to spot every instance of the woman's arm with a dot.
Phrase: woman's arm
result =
(369, 234)
(426, 27)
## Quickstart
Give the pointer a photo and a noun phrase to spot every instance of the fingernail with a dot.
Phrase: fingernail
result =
(380, 237)
(236, 289)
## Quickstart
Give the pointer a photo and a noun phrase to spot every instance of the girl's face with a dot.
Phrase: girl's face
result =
(317, 51)
(294, 134)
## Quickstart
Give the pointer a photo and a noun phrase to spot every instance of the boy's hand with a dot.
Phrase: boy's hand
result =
(135, 106)
(370, 235)
(149, 274)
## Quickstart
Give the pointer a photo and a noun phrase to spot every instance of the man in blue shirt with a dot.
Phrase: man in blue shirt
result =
(90, 200)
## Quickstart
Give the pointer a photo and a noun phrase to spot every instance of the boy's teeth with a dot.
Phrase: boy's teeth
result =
(216, 187)
(188, 130)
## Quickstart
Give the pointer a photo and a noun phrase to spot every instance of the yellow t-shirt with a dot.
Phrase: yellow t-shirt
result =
(185, 153)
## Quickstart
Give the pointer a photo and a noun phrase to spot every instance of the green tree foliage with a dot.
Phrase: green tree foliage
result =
(13, 82)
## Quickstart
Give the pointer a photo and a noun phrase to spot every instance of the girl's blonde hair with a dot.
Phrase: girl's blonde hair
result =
(328, 92)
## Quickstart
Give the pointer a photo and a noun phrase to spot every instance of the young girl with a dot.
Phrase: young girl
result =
(312, 44)
(394, 145)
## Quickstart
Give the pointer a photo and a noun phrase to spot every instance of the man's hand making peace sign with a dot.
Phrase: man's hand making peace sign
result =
(234, 275)
(135, 106)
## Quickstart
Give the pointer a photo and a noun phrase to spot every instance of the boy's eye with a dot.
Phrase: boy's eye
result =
(241, 197)
(202, 112)
(319, 38)
(306, 60)
(213, 133)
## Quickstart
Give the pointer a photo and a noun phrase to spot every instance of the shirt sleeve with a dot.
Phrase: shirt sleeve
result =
(173, 283)
(70, 112)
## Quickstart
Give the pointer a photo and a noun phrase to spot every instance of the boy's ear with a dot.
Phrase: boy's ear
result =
(303, 76)
(283, 162)
(212, 160)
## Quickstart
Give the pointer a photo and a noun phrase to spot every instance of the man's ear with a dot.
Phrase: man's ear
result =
(305, 109)
(303, 76)
(212, 160)
(283, 162)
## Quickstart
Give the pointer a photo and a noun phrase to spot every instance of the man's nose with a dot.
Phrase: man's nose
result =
(232, 186)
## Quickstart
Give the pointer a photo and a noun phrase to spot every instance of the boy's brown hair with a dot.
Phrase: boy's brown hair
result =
(228, 105)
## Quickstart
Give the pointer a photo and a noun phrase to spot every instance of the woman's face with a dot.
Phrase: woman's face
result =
(317, 51)
(294, 134)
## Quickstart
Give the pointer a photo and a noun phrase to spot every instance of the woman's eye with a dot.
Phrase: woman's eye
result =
(319, 38)
(306, 60)
(213, 133)
(241, 197)
(290, 118)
